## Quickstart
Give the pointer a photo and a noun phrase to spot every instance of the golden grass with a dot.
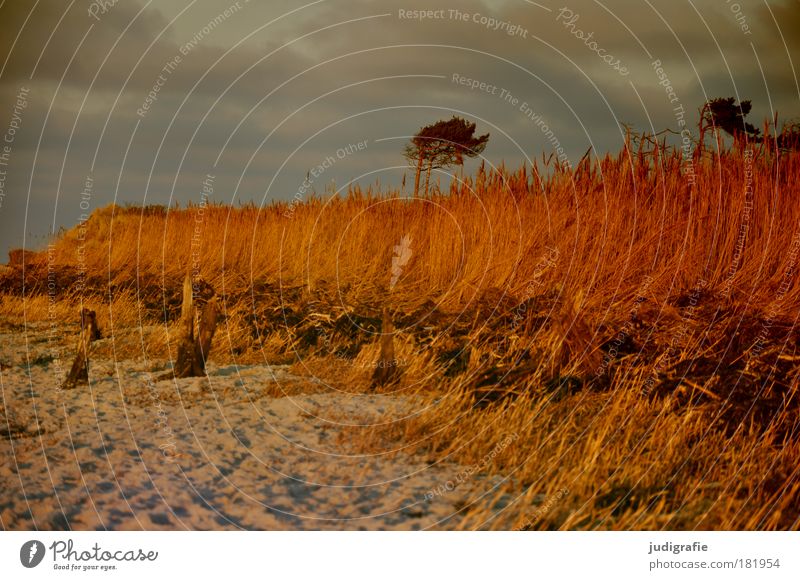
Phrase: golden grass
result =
(629, 325)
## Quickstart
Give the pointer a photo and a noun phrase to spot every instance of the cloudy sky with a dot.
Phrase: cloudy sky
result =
(146, 99)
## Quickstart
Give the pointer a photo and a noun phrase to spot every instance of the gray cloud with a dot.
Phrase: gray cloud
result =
(287, 86)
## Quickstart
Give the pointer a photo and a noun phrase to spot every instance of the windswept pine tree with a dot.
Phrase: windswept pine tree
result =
(442, 144)
(726, 115)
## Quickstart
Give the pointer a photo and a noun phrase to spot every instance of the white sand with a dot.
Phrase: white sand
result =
(221, 455)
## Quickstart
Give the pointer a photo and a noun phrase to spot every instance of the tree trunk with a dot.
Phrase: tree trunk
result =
(79, 373)
(427, 179)
(701, 129)
(419, 171)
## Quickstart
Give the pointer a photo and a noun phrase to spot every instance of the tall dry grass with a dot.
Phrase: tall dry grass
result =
(630, 322)
(614, 224)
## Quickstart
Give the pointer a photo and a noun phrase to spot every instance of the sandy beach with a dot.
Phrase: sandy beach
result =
(131, 453)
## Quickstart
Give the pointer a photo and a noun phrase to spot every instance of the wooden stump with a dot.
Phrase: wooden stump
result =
(208, 325)
(387, 370)
(193, 351)
(79, 373)
(184, 361)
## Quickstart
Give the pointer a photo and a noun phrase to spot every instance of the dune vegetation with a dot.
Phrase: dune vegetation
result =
(616, 341)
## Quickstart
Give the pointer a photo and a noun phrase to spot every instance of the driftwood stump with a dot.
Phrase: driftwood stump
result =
(209, 316)
(183, 362)
(386, 370)
(193, 351)
(79, 373)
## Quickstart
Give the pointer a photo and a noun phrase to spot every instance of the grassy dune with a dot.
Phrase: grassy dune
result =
(619, 340)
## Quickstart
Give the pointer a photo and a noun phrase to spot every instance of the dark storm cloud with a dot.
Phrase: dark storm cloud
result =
(148, 98)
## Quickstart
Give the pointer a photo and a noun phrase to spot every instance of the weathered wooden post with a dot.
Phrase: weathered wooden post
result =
(208, 325)
(193, 351)
(79, 373)
(183, 362)
(386, 368)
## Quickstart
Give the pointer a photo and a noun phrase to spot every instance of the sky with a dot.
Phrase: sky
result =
(147, 102)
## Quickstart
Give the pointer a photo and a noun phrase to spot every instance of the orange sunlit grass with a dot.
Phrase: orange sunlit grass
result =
(630, 322)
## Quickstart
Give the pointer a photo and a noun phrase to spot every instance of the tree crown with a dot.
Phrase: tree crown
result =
(725, 114)
(445, 143)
